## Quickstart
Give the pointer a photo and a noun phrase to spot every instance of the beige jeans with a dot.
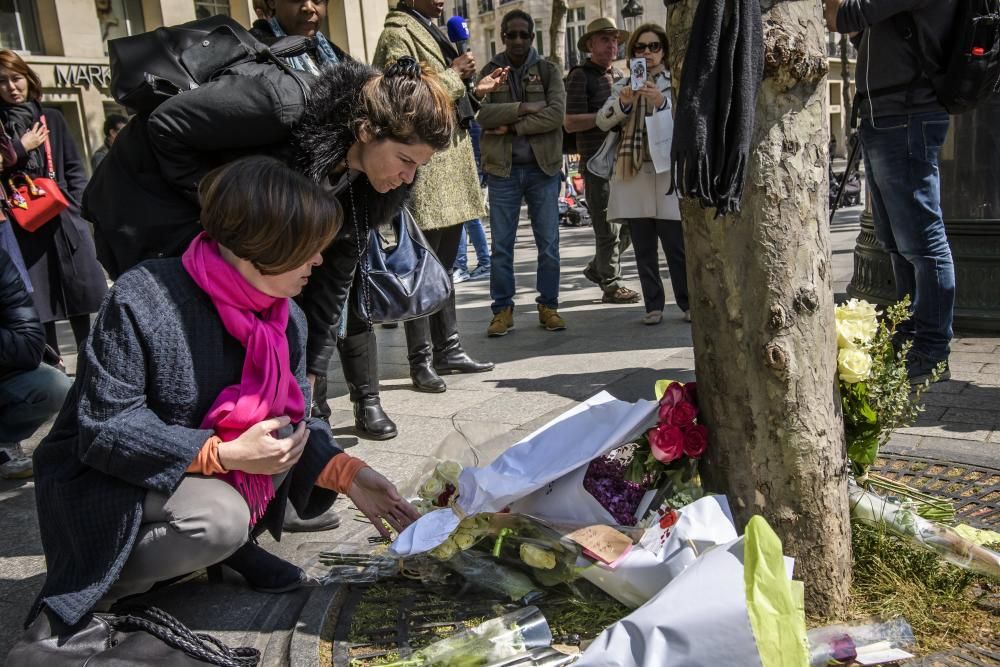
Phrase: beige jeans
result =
(204, 522)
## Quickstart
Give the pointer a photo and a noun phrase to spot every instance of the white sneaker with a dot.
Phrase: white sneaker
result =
(16, 464)
(459, 276)
(653, 317)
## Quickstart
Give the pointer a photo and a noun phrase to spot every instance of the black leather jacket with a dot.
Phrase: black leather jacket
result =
(143, 197)
(22, 338)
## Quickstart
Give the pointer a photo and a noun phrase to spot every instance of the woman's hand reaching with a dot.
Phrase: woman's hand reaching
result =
(378, 499)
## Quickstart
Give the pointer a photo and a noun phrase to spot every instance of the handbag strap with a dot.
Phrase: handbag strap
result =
(364, 264)
(172, 632)
(48, 151)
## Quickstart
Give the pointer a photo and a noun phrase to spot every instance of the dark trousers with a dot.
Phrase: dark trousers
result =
(645, 233)
(611, 238)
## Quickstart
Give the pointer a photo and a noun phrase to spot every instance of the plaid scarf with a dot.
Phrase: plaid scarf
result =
(633, 150)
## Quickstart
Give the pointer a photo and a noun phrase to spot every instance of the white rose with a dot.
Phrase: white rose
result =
(853, 333)
(432, 488)
(449, 472)
(853, 365)
(863, 314)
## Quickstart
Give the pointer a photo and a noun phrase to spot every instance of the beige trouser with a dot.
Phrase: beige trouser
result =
(204, 522)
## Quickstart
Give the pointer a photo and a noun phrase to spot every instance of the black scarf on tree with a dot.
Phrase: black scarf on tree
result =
(723, 69)
(18, 119)
(466, 107)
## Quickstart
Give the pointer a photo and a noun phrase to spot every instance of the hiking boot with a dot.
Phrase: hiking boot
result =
(549, 318)
(621, 295)
(501, 323)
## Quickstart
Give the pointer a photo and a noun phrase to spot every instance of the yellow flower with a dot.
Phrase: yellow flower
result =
(432, 488)
(853, 365)
(856, 321)
(537, 557)
(463, 539)
(449, 472)
(445, 550)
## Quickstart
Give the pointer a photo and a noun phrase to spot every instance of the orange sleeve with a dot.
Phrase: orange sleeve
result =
(207, 461)
(339, 473)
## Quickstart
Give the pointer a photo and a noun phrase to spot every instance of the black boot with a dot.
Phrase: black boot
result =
(418, 346)
(449, 357)
(359, 358)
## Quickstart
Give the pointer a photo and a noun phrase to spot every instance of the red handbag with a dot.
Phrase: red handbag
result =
(34, 201)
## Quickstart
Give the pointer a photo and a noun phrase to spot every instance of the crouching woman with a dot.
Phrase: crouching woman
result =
(185, 433)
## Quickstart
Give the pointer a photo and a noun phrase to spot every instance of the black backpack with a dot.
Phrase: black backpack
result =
(972, 71)
(148, 68)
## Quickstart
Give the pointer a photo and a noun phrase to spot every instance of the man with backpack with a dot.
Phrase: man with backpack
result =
(903, 49)
(522, 155)
(587, 89)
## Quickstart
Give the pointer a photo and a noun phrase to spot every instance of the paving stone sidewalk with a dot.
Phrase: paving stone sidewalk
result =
(539, 375)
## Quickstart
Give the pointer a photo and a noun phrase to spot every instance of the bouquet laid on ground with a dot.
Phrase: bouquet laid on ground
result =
(530, 512)
(876, 395)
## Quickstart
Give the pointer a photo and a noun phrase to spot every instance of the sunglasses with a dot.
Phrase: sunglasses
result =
(518, 34)
(652, 47)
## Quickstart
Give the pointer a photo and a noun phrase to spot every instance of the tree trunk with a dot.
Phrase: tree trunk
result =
(557, 33)
(762, 305)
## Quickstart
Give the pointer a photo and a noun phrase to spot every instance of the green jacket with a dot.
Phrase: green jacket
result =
(541, 82)
(446, 191)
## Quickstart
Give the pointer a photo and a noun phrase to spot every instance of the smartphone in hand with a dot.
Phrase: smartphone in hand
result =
(637, 67)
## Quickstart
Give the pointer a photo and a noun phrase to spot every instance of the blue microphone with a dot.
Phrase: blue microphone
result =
(458, 33)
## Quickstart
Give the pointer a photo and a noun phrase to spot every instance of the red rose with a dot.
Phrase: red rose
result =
(682, 415)
(668, 519)
(695, 440)
(691, 393)
(673, 394)
(666, 442)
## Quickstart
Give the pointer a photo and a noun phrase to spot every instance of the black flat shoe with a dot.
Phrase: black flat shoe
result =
(295, 524)
(426, 380)
(371, 421)
(267, 573)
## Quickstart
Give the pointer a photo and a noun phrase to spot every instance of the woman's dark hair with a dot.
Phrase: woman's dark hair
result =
(113, 122)
(408, 104)
(516, 14)
(10, 60)
(268, 214)
(654, 28)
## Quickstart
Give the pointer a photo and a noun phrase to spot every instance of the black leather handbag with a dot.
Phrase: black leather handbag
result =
(403, 282)
(146, 637)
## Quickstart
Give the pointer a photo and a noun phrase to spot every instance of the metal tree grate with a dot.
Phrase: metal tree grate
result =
(408, 616)
(975, 491)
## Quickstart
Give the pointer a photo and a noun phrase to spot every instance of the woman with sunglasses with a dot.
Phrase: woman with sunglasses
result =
(638, 194)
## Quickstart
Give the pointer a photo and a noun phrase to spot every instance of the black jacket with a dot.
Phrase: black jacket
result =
(143, 198)
(62, 264)
(22, 338)
(131, 424)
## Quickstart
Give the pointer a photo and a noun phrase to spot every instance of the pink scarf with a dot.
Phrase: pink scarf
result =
(268, 387)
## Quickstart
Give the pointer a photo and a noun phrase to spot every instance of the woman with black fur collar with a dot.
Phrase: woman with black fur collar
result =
(361, 133)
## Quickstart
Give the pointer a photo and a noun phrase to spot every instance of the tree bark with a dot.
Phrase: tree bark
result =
(762, 305)
(557, 33)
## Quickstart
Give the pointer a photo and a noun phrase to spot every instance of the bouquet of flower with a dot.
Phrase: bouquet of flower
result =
(875, 390)
(440, 489)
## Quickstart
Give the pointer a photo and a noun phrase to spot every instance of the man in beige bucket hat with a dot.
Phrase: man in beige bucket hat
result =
(587, 89)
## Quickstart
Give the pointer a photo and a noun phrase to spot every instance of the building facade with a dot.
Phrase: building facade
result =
(65, 42)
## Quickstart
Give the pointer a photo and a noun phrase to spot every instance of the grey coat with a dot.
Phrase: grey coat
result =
(158, 358)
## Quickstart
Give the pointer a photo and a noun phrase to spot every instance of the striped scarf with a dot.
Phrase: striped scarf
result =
(305, 62)
(633, 150)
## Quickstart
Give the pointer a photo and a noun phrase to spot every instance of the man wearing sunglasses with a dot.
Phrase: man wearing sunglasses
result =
(521, 151)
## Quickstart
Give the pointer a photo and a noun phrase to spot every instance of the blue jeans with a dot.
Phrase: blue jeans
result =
(541, 192)
(901, 163)
(28, 399)
(473, 229)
